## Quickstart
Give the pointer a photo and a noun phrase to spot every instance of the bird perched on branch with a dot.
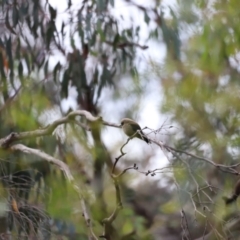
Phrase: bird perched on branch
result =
(131, 127)
(236, 193)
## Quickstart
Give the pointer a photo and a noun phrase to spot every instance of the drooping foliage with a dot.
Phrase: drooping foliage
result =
(81, 51)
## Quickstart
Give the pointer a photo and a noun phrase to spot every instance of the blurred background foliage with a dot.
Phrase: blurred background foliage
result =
(87, 57)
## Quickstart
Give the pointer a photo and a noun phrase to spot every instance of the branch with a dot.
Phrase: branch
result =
(5, 143)
(61, 165)
(158, 18)
(108, 221)
(48, 130)
(126, 44)
(230, 226)
(221, 167)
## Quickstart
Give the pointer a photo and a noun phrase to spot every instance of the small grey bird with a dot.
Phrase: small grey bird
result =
(130, 127)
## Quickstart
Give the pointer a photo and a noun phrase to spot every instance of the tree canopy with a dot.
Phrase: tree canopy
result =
(63, 67)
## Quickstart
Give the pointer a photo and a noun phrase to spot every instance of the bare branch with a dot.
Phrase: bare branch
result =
(108, 221)
(12, 137)
(126, 44)
(230, 226)
(221, 167)
(184, 225)
(61, 165)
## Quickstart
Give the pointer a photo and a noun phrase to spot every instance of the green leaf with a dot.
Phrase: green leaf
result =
(116, 40)
(8, 24)
(69, 4)
(93, 39)
(101, 5)
(56, 69)
(23, 11)
(81, 33)
(134, 73)
(35, 18)
(62, 29)
(15, 16)
(88, 22)
(112, 3)
(106, 78)
(49, 34)
(46, 68)
(64, 84)
(95, 76)
(9, 50)
(53, 13)
(100, 31)
(28, 21)
(146, 17)
(10, 58)
(2, 66)
(20, 69)
(18, 49)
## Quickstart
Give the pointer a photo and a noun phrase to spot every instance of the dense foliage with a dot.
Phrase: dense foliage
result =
(60, 70)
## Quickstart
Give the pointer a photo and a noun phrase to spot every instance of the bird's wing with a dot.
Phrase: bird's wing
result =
(135, 127)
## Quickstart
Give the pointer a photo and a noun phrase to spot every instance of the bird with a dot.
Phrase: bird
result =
(235, 194)
(130, 127)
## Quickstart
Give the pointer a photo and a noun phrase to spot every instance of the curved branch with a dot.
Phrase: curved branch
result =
(12, 137)
(63, 167)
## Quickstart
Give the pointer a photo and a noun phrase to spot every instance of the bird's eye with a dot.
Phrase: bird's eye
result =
(121, 123)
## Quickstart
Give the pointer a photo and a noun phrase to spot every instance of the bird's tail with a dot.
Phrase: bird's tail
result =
(144, 138)
(229, 200)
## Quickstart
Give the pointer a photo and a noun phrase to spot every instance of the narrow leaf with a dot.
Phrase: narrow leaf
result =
(53, 12)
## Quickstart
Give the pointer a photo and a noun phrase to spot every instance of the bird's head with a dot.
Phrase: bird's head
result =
(126, 120)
